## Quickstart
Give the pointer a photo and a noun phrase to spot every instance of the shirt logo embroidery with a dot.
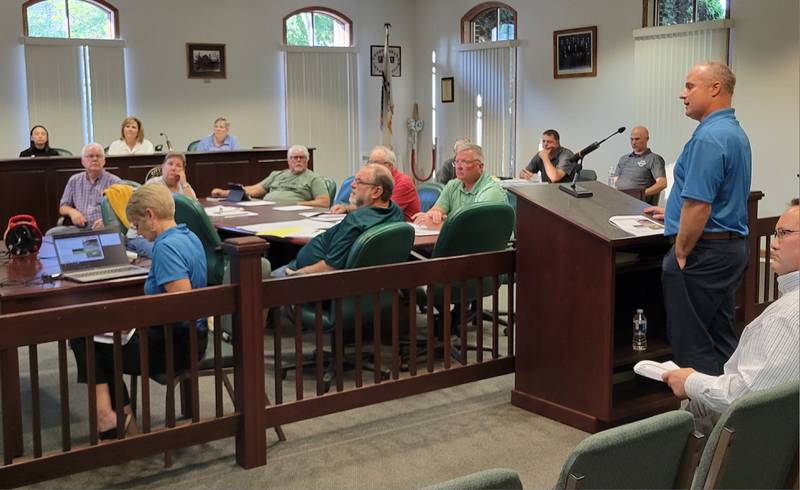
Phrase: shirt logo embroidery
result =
(641, 163)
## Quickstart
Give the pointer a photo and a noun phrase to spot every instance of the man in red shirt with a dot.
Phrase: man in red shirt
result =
(405, 192)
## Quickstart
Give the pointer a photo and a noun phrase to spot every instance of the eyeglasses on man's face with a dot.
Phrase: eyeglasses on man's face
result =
(464, 163)
(780, 233)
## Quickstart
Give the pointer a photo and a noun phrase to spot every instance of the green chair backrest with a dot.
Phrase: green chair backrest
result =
(62, 152)
(343, 196)
(191, 213)
(428, 193)
(110, 218)
(587, 175)
(193, 145)
(331, 185)
(642, 454)
(494, 479)
(764, 444)
(474, 228)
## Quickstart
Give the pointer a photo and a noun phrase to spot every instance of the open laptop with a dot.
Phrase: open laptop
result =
(93, 255)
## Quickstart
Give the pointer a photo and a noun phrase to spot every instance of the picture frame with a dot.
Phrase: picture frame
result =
(575, 52)
(206, 60)
(447, 90)
(376, 60)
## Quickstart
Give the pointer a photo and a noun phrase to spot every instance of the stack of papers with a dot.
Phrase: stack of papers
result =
(653, 369)
(227, 212)
(637, 225)
(517, 182)
(295, 207)
(255, 202)
(301, 228)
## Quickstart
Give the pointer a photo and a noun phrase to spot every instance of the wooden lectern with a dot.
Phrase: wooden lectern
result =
(579, 283)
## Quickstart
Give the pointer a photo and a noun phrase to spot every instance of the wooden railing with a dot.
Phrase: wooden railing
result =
(79, 448)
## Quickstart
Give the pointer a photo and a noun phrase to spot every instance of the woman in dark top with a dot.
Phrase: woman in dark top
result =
(40, 144)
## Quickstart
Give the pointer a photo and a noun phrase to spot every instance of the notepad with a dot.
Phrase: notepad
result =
(281, 232)
(653, 369)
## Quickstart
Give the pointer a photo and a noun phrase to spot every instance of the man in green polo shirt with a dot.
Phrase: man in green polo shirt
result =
(372, 193)
(470, 185)
(296, 185)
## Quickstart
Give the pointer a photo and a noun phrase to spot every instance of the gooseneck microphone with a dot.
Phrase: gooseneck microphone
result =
(593, 146)
(169, 144)
(576, 190)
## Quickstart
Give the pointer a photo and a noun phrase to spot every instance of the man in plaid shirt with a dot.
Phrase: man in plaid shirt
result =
(84, 191)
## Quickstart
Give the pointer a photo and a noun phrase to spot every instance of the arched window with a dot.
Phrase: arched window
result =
(487, 22)
(76, 19)
(317, 26)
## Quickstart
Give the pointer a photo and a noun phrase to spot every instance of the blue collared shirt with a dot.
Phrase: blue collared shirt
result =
(207, 144)
(715, 167)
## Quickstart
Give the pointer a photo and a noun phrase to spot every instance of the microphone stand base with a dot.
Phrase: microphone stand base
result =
(575, 190)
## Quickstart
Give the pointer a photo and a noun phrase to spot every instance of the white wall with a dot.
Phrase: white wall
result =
(766, 60)
(14, 123)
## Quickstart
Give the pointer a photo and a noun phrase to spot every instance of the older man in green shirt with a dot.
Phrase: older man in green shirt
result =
(296, 185)
(471, 185)
(372, 192)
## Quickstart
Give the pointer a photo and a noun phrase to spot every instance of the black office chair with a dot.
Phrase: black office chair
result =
(62, 152)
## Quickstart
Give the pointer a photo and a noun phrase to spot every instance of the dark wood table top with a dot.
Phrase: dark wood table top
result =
(268, 214)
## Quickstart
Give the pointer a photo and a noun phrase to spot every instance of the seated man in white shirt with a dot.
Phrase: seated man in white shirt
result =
(767, 353)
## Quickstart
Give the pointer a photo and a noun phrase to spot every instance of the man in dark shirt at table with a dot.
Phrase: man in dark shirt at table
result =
(553, 162)
(372, 192)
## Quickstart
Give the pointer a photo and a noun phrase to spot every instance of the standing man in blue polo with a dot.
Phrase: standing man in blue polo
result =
(706, 217)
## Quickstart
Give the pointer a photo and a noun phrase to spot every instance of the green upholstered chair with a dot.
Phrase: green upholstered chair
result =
(587, 175)
(62, 152)
(494, 479)
(657, 452)
(389, 243)
(193, 145)
(754, 444)
(330, 184)
(428, 194)
(343, 196)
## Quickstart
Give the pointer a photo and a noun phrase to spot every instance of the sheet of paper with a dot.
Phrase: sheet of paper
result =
(304, 225)
(108, 337)
(228, 212)
(637, 225)
(281, 232)
(422, 231)
(330, 218)
(518, 182)
(295, 207)
(256, 202)
(310, 214)
(653, 369)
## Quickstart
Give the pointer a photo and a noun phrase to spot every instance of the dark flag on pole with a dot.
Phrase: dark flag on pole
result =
(387, 105)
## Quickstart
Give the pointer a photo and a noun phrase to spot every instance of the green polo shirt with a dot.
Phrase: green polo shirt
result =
(334, 245)
(286, 187)
(454, 196)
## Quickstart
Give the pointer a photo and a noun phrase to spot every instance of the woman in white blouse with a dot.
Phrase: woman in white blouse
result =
(173, 175)
(132, 141)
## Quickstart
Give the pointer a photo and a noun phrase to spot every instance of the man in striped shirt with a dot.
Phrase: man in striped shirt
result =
(767, 353)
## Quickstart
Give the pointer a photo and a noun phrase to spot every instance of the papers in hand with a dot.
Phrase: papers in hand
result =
(653, 369)
(637, 225)
(108, 337)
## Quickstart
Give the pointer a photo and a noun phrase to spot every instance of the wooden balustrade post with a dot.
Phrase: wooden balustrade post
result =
(248, 346)
(747, 295)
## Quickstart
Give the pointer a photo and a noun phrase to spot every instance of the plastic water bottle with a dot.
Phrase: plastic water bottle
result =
(611, 176)
(639, 331)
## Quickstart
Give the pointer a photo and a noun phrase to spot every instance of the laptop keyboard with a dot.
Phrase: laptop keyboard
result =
(105, 271)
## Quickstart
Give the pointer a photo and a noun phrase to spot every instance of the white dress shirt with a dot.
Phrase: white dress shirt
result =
(767, 354)
(119, 147)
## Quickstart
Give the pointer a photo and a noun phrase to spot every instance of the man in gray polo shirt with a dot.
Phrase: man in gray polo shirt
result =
(553, 162)
(641, 168)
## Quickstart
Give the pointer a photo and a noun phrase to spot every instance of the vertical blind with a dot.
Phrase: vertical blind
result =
(487, 76)
(322, 107)
(662, 57)
(76, 90)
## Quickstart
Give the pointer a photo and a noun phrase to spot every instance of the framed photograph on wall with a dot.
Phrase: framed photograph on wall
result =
(376, 60)
(447, 90)
(575, 53)
(206, 60)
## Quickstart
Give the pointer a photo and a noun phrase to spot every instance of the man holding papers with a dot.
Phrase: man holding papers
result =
(706, 217)
(372, 192)
(767, 354)
(295, 185)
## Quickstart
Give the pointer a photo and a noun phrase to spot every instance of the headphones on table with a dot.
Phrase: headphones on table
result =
(22, 236)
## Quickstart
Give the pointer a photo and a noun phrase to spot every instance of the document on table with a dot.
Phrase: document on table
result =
(301, 228)
(228, 212)
(108, 337)
(653, 369)
(637, 225)
(295, 207)
(506, 183)
(422, 231)
(255, 202)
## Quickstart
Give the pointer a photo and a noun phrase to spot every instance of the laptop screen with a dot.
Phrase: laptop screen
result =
(89, 249)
